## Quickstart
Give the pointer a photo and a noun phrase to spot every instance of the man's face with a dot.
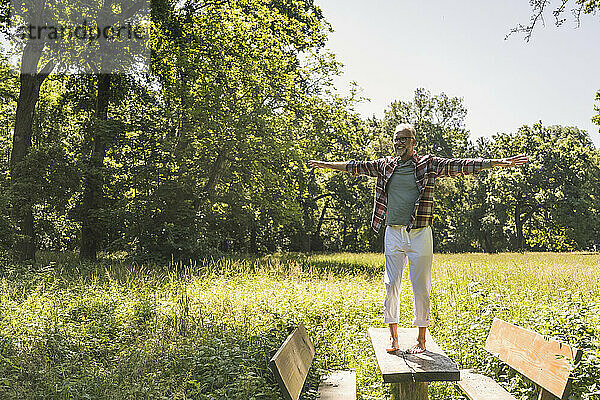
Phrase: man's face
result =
(404, 143)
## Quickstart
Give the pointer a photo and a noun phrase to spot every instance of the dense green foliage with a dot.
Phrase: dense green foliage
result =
(114, 329)
(207, 154)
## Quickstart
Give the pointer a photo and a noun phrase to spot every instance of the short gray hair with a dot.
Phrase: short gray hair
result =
(406, 127)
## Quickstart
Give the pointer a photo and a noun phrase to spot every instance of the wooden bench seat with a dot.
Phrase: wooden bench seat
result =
(338, 385)
(546, 362)
(291, 363)
(477, 386)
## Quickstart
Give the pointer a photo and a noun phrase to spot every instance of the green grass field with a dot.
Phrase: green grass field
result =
(205, 330)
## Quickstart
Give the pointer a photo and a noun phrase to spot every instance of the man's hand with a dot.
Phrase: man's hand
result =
(317, 164)
(514, 161)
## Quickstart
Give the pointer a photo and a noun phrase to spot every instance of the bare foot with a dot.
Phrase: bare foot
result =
(417, 348)
(394, 348)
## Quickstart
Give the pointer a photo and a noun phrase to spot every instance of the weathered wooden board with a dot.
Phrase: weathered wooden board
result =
(410, 391)
(291, 362)
(432, 365)
(547, 362)
(546, 395)
(338, 385)
(481, 387)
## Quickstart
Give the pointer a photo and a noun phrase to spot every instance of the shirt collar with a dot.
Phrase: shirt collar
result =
(415, 158)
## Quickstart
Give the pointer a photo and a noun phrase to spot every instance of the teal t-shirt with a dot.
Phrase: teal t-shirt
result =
(402, 194)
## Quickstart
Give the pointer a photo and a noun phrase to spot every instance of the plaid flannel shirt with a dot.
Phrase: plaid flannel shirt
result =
(427, 168)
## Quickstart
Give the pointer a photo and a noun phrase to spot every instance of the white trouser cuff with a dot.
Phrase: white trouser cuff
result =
(421, 324)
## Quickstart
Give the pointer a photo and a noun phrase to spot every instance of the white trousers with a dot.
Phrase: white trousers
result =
(416, 247)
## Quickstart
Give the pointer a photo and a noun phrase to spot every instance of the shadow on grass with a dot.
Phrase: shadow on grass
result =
(121, 268)
(342, 268)
(325, 264)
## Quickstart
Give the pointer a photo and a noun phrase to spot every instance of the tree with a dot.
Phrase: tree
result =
(92, 230)
(8, 101)
(550, 203)
(438, 119)
(337, 206)
(31, 78)
(236, 83)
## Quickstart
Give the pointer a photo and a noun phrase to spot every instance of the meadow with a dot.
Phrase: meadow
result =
(205, 329)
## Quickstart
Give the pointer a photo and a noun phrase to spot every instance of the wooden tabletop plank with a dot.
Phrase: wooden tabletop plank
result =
(432, 365)
(545, 361)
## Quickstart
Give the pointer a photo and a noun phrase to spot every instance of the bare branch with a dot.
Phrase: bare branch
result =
(577, 14)
(538, 7)
(338, 219)
(131, 11)
(47, 69)
(558, 12)
(8, 95)
(323, 196)
(44, 73)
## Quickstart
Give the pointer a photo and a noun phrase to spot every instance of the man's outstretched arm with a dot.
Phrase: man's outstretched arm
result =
(369, 168)
(449, 167)
(340, 165)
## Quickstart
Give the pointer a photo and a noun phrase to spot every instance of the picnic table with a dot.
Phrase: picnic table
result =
(409, 374)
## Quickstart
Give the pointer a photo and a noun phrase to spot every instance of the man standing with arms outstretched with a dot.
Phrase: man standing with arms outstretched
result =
(404, 202)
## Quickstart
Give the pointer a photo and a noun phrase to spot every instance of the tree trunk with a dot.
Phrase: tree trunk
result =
(28, 96)
(344, 241)
(317, 242)
(22, 208)
(489, 248)
(253, 238)
(522, 215)
(92, 230)
(216, 170)
(518, 227)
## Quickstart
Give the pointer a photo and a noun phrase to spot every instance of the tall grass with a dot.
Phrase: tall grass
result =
(206, 329)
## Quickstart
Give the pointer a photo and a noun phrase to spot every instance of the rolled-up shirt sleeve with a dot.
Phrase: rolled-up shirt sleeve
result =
(448, 167)
(370, 168)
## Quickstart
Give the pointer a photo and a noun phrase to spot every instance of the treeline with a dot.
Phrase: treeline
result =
(208, 152)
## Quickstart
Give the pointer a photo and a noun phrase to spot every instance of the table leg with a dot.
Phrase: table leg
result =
(410, 391)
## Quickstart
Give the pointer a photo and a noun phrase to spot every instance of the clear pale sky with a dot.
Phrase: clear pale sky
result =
(390, 48)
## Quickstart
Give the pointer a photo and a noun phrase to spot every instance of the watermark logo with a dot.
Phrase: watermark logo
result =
(77, 36)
